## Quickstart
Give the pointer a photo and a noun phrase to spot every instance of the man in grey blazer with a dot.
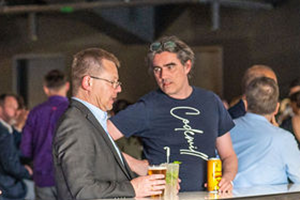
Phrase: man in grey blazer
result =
(88, 164)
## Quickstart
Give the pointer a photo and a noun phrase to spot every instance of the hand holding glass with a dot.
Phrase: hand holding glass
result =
(157, 169)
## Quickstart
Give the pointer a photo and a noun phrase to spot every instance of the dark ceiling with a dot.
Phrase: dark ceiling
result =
(47, 2)
(130, 21)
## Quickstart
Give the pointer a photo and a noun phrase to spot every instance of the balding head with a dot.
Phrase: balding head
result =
(262, 96)
(257, 71)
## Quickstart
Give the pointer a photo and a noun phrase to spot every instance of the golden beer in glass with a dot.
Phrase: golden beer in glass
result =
(157, 169)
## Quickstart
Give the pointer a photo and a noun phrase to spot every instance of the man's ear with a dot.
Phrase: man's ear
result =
(67, 86)
(46, 90)
(86, 83)
(245, 103)
(277, 108)
(188, 66)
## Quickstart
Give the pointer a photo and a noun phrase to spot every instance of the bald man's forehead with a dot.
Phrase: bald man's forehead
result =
(269, 74)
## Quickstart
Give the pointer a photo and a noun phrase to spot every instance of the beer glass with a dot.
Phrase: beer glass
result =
(157, 169)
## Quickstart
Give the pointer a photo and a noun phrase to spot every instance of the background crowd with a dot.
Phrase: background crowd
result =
(65, 150)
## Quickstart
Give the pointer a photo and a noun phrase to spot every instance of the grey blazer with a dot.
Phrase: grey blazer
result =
(87, 165)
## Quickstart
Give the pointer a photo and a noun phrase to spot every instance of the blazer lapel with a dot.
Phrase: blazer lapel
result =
(104, 135)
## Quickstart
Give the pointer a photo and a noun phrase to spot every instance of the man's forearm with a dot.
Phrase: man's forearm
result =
(138, 166)
(230, 167)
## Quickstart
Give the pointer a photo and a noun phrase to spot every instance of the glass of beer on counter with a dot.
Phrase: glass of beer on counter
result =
(157, 169)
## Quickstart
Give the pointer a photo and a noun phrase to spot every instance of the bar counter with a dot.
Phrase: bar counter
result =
(270, 192)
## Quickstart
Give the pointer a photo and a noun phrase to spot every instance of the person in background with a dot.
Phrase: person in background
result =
(240, 109)
(22, 115)
(12, 172)
(294, 86)
(292, 123)
(132, 145)
(191, 122)
(225, 103)
(39, 130)
(19, 122)
(286, 111)
(88, 164)
(267, 155)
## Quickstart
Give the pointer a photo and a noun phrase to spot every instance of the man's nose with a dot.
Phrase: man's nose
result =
(163, 73)
(119, 89)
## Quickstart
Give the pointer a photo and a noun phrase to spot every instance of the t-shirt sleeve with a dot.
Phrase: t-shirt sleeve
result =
(225, 121)
(133, 120)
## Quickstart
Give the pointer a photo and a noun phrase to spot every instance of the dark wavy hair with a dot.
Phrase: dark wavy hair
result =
(55, 79)
(177, 46)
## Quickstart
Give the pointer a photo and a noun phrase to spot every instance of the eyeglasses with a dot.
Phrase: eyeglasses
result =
(170, 45)
(114, 84)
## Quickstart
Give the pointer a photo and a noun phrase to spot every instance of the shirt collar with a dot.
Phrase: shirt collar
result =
(58, 98)
(100, 115)
(9, 127)
(256, 116)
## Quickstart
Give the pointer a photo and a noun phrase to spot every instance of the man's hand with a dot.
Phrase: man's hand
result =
(28, 169)
(148, 185)
(21, 119)
(229, 162)
(226, 185)
(178, 185)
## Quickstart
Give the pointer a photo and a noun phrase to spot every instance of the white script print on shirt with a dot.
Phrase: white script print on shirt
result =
(188, 131)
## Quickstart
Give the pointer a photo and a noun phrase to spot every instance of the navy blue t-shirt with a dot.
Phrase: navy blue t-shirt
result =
(189, 127)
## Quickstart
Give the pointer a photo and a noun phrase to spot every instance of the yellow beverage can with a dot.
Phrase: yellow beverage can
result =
(214, 174)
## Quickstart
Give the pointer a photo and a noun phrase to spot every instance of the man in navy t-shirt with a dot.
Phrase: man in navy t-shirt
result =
(190, 121)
